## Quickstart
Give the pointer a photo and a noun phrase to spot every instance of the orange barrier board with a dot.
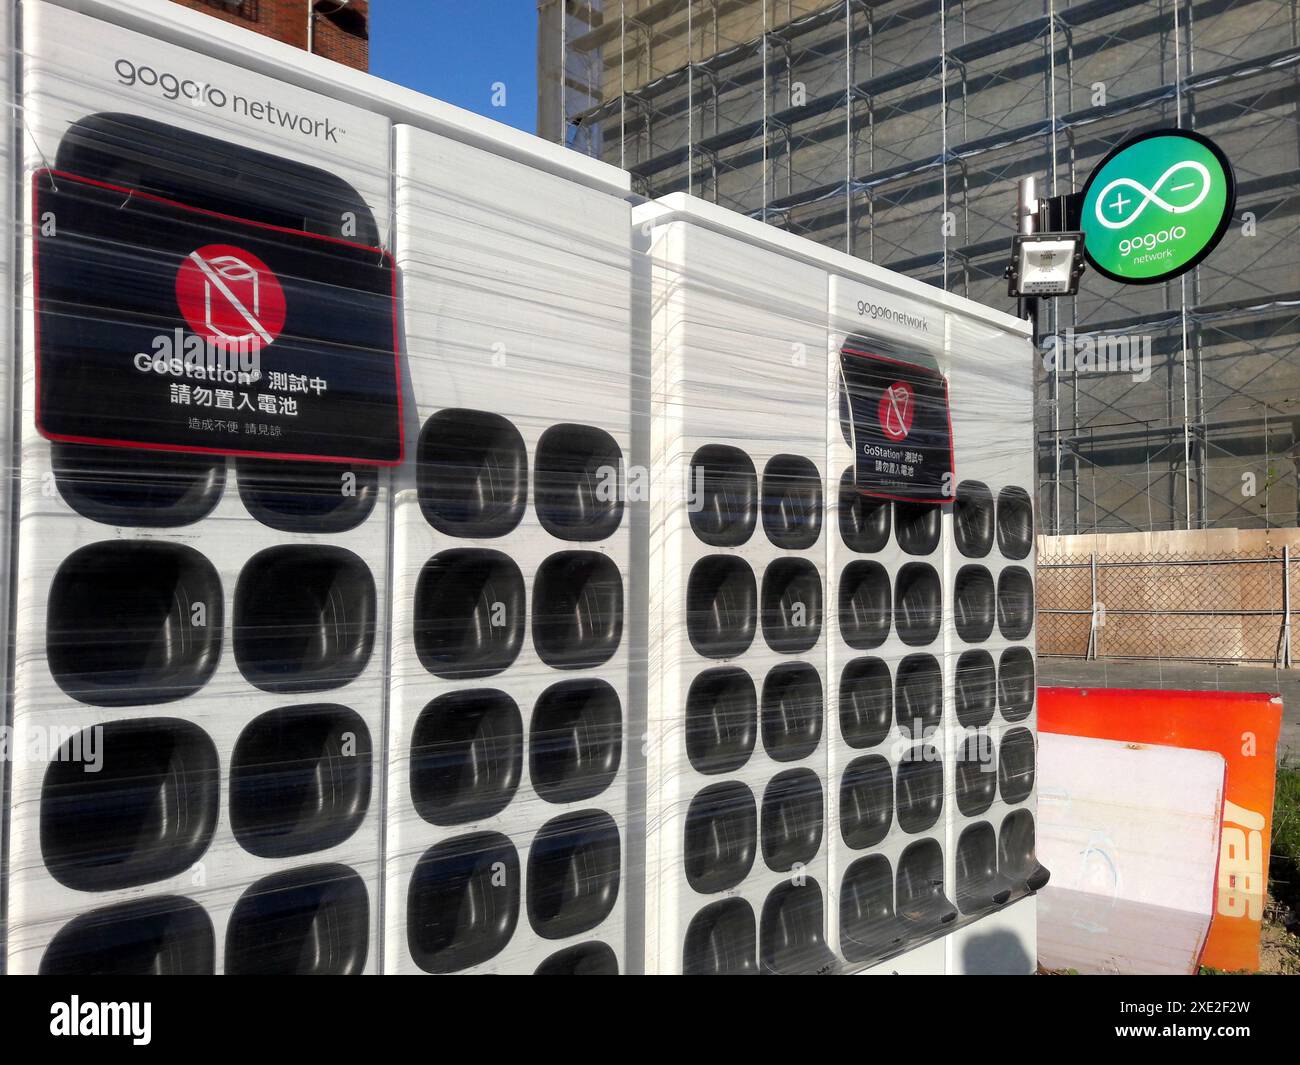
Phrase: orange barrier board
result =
(1244, 728)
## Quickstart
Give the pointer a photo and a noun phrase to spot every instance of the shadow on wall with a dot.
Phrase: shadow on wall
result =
(998, 953)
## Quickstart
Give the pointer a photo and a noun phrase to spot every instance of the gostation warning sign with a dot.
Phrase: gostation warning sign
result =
(160, 325)
(898, 420)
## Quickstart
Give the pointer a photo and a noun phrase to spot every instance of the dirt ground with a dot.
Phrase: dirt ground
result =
(1279, 944)
(1279, 949)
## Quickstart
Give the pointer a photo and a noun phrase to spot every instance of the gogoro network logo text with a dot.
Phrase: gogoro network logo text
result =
(1152, 241)
(867, 309)
(203, 94)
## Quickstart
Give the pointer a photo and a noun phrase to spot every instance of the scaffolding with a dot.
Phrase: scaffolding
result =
(897, 131)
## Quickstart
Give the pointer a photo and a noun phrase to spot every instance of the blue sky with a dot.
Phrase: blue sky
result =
(456, 49)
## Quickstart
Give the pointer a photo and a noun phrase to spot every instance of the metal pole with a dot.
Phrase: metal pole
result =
(690, 108)
(1093, 649)
(848, 126)
(622, 86)
(1182, 295)
(1284, 656)
(943, 126)
(1028, 213)
(1027, 204)
(765, 95)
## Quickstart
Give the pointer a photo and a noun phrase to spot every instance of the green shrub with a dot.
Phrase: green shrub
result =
(1284, 866)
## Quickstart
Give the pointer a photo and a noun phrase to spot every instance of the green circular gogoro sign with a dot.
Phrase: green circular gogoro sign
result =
(1156, 206)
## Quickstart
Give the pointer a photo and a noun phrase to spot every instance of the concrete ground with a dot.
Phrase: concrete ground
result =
(1189, 676)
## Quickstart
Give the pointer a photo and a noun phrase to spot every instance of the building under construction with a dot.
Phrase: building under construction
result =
(897, 131)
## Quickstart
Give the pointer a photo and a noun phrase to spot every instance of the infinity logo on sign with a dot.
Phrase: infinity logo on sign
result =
(1120, 202)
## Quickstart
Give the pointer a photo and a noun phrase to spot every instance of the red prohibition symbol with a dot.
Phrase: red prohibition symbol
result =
(897, 407)
(227, 294)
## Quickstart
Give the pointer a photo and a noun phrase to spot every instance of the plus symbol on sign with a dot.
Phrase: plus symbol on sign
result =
(1120, 202)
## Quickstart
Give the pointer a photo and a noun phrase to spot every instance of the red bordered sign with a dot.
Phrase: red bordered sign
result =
(901, 427)
(169, 327)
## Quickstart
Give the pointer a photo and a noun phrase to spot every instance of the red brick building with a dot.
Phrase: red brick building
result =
(335, 29)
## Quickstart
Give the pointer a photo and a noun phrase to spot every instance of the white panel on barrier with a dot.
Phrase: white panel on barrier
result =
(1132, 834)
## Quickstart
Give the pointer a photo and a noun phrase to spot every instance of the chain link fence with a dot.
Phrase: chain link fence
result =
(1146, 606)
